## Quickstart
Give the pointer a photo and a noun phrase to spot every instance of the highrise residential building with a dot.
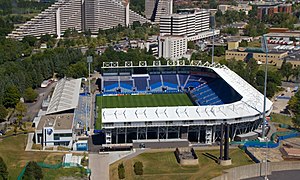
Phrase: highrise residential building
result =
(193, 23)
(82, 15)
(154, 9)
(172, 47)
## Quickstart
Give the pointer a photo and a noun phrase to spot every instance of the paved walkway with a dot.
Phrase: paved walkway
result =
(99, 163)
(280, 175)
(29, 141)
(272, 130)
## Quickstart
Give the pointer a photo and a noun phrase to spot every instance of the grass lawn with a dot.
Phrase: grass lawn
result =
(255, 43)
(163, 165)
(278, 118)
(219, 58)
(15, 157)
(270, 68)
(149, 100)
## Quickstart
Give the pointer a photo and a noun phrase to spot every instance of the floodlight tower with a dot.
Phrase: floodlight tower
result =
(89, 61)
(213, 26)
(265, 49)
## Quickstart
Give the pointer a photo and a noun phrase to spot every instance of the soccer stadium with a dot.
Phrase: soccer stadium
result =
(176, 101)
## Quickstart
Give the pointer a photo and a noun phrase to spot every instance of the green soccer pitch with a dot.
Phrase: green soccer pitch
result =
(147, 100)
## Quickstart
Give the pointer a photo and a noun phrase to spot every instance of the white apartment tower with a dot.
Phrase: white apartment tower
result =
(154, 9)
(172, 47)
(79, 14)
(193, 23)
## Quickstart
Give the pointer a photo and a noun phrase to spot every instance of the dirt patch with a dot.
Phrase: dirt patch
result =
(273, 155)
(54, 158)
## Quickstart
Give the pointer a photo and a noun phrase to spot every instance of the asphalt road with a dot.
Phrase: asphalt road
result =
(280, 175)
(33, 108)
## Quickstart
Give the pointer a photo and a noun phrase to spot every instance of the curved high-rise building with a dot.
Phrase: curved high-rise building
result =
(154, 9)
(82, 15)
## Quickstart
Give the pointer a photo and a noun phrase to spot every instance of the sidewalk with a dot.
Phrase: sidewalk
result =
(99, 163)
(29, 142)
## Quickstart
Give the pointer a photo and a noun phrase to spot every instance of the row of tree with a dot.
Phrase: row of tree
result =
(22, 6)
(136, 31)
(287, 70)
(229, 17)
(17, 77)
(138, 169)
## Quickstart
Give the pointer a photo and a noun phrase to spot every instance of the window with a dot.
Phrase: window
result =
(56, 137)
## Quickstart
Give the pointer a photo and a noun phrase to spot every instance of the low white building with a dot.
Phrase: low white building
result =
(150, 45)
(55, 130)
(56, 125)
(172, 47)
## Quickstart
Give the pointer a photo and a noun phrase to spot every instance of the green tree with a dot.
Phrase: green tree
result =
(213, 4)
(67, 33)
(138, 168)
(3, 170)
(294, 103)
(30, 40)
(21, 108)
(121, 171)
(251, 69)
(45, 38)
(11, 97)
(30, 95)
(77, 70)
(190, 45)
(230, 30)
(33, 171)
(243, 43)
(296, 73)
(296, 120)
(219, 50)
(286, 70)
(3, 113)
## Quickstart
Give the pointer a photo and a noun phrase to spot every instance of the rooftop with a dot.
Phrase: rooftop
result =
(65, 96)
(256, 50)
(295, 34)
(57, 122)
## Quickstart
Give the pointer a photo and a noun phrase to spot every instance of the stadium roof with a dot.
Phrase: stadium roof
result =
(250, 105)
(65, 96)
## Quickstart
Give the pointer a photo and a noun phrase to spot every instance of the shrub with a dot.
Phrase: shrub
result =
(33, 171)
(121, 171)
(138, 168)
(3, 170)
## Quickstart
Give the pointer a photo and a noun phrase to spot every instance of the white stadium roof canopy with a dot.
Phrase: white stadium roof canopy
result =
(250, 105)
(65, 96)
